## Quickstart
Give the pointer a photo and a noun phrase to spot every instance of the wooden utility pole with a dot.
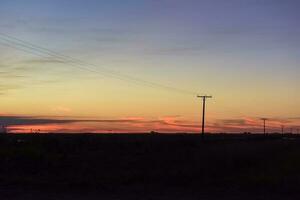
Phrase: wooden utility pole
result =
(203, 112)
(264, 119)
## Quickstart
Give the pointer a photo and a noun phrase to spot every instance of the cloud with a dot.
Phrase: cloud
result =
(24, 120)
(61, 109)
(134, 124)
(9, 75)
(128, 124)
(6, 87)
(178, 50)
(252, 124)
(174, 122)
(233, 121)
(31, 120)
(294, 118)
(24, 73)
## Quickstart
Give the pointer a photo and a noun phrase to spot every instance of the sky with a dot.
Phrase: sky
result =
(245, 53)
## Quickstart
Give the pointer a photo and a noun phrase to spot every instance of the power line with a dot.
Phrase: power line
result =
(35, 49)
(70, 62)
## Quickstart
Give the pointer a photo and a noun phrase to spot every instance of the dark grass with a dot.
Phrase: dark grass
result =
(148, 166)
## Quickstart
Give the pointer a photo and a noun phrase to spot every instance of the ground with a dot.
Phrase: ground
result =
(157, 166)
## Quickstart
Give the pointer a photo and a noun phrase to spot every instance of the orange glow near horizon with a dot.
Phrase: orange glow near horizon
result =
(163, 125)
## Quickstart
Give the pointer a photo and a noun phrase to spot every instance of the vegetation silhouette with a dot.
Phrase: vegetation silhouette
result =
(179, 164)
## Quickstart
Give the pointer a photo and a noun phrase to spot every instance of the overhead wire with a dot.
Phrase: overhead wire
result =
(78, 63)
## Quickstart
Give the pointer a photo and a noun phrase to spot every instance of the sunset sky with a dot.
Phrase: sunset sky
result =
(246, 53)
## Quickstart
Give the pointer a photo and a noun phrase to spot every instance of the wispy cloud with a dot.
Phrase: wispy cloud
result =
(25, 120)
(23, 73)
(7, 87)
(252, 124)
(135, 124)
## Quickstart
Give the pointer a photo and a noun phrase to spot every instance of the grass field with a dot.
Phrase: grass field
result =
(124, 166)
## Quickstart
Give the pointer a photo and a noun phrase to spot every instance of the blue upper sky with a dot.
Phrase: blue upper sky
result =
(229, 36)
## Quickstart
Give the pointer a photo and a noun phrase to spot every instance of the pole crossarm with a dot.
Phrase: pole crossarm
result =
(204, 96)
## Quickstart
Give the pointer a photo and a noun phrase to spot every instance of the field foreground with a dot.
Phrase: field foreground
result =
(124, 166)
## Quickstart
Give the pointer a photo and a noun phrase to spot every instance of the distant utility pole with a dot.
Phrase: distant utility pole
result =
(264, 119)
(282, 129)
(203, 112)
